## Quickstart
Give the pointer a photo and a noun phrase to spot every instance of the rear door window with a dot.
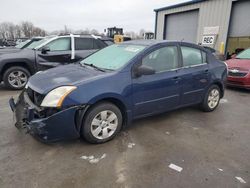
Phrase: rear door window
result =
(84, 43)
(192, 56)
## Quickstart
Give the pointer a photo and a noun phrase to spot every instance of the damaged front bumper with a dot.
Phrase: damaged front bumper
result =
(59, 125)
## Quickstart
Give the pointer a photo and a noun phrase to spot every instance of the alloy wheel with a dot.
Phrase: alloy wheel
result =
(17, 79)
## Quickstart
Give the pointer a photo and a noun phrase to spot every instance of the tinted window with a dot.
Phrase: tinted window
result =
(98, 44)
(191, 56)
(84, 44)
(61, 44)
(108, 42)
(204, 57)
(162, 59)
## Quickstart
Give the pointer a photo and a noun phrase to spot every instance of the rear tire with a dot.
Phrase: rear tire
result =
(211, 99)
(101, 123)
(16, 77)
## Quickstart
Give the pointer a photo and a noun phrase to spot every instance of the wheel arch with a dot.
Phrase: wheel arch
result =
(221, 86)
(117, 102)
(8, 65)
(81, 114)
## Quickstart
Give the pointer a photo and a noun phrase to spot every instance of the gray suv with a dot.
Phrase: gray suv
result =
(52, 51)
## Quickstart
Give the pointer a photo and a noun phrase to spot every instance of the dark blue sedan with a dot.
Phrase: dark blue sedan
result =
(106, 91)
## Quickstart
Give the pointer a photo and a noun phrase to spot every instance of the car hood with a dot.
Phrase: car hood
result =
(17, 54)
(242, 64)
(9, 50)
(74, 74)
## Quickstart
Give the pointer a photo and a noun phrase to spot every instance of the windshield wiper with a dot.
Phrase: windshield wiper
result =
(91, 65)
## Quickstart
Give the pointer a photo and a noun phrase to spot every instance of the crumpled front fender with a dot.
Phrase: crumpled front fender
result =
(59, 126)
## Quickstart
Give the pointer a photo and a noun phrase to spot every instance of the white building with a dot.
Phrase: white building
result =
(215, 23)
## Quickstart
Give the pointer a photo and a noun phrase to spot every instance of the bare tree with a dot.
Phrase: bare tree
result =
(4, 30)
(7, 30)
(27, 29)
(94, 32)
(11, 30)
(18, 31)
(66, 30)
(85, 32)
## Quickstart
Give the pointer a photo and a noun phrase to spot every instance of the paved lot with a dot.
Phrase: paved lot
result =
(212, 148)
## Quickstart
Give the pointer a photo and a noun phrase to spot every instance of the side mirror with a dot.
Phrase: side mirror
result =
(144, 70)
(45, 49)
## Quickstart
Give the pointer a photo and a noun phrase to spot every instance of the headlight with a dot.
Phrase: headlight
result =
(55, 97)
(226, 66)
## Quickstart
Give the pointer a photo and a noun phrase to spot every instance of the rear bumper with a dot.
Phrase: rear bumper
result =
(243, 82)
(59, 126)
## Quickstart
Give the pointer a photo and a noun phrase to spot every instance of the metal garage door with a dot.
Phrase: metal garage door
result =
(240, 20)
(182, 26)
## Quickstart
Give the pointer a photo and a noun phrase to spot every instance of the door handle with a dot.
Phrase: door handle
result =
(206, 71)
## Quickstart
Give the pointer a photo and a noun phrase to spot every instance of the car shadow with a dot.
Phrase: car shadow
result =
(2, 87)
(162, 117)
(4, 92)
(242, 90)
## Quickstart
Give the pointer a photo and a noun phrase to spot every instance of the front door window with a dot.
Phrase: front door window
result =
(163, 59)
(61, 44)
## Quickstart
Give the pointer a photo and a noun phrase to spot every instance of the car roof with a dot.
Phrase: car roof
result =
(37, 38)
(144, 42)
(149, 43)
(53, 37)
(82, 36)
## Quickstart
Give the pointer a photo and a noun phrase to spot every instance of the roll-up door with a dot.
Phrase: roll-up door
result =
(240, 19)
(182, 26)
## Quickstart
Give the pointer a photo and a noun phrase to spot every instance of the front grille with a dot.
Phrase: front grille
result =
(34, 96)
(237, 74)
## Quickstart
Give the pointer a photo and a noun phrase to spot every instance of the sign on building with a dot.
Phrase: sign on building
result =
(208, 40)
(210, 35)
(211, 30)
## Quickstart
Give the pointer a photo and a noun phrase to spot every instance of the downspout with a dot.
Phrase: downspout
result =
(156, 20)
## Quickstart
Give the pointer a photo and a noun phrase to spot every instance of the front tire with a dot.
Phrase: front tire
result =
(101, 123)
(16, 77)
(211, 99)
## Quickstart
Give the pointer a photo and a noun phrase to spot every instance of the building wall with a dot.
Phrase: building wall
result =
(211, 13)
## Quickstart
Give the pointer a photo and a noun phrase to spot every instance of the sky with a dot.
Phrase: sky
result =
(132, 15)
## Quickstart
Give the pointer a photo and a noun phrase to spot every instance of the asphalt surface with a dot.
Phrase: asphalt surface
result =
(211, 148)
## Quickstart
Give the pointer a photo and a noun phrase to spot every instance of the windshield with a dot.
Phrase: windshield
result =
(244, 55)
(22, 44)
(37, 43)
(113, 57)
